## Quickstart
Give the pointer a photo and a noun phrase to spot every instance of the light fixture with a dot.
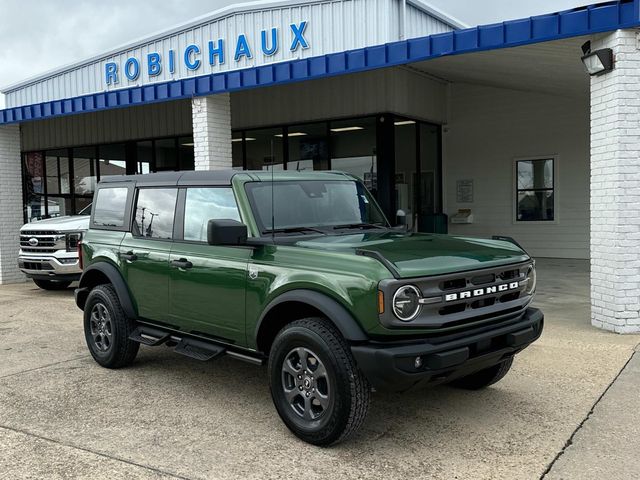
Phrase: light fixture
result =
(346, 129)
(598, 61)
(292, 134)
(187, 144)
(248, 139)
(404, 122)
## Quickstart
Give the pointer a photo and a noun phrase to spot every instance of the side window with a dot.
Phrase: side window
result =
(110, 206)
(155, 209)
(204, 204)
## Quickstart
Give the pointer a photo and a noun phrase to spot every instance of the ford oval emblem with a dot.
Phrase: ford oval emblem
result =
(33, 242)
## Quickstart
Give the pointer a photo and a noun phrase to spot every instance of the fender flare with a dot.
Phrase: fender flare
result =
(334, 311)
(115, 278)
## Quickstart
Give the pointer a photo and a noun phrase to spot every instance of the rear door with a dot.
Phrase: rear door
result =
(207, 282)
(144, 252)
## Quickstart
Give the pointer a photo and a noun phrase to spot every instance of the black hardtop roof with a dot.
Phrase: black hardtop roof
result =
(215, 177)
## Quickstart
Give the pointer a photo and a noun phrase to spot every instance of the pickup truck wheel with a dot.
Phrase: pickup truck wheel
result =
(484, 378)
(52, 284)
(107, 329)
(315, 383)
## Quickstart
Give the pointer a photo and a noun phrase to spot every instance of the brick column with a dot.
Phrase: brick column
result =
(212, 131)
(11, 218)
(615, 187)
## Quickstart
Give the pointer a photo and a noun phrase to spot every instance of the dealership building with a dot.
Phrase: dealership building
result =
(528, 128)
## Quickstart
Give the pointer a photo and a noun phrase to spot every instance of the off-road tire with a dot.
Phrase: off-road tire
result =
(348, 389)
(484, 378)
(121, 351)
(52, 284)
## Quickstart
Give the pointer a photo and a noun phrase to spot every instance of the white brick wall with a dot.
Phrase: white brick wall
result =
(10, 203)
(212, 132)
(615, 187)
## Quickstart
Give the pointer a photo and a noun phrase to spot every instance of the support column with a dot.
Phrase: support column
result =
(11, 218)
(212, 131)
(615, 187)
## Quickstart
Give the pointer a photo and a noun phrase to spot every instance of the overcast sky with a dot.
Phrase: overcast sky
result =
(36, 36)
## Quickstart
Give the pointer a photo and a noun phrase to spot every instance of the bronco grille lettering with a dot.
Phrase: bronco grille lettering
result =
(479, 292)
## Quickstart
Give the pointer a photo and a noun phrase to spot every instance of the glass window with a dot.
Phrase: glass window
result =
(429, 187)
(144, 156)
(405, 174)
(535, 190)
(35, 208)
(112, 159)
(187, 158)
(155, 210)
(34, 186)
(166, 154)
(59, 206)
(353, 149)
(109, 210)
(264, 149)
(308, 147)
(312, 203)
(57, 168)
(236, 151)
(204, 204)
(84, 170)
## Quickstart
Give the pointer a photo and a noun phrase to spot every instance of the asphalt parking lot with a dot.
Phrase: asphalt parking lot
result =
(560, 413)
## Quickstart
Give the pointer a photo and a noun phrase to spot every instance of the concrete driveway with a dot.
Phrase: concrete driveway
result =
(62, 416)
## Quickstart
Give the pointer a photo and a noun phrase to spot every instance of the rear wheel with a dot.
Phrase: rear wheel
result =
(316, 386)
(484, 378)
(52, 284)
(107, 329)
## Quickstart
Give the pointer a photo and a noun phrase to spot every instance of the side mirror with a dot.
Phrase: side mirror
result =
(226, 232)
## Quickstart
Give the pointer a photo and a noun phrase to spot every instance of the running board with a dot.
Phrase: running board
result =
(149, 336)
(199, 350)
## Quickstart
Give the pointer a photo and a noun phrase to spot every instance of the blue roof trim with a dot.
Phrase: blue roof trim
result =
(572, 23)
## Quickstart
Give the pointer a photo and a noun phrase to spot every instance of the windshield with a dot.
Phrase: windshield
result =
(313, 204)
(86, 210)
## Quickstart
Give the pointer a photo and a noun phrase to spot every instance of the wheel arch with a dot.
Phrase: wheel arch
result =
(296, 304)
(101, 273)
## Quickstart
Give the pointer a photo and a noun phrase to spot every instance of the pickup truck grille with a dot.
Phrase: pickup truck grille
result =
(47, 241)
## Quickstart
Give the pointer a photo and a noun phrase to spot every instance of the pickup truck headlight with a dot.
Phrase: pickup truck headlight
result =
(406, 303)
(71, 240)
(532, 279)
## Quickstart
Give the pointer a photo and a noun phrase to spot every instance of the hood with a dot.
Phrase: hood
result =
(71, 223)
(421, 254)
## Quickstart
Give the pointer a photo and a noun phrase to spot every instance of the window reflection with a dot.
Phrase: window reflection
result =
(155, 209)
(84, 170)
(57, 168)
(204, 204)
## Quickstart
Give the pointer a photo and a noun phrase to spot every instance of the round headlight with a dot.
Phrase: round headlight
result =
(532, 279)
(406, 303)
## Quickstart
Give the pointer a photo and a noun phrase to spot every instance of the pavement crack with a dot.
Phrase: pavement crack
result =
(94, 452)
(569, 442)
(42, 367)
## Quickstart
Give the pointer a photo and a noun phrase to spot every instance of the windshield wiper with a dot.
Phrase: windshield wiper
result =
(359, 225)
(294, 230)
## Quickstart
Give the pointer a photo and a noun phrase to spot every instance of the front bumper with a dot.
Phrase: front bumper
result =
(49, 267)
(391, 365)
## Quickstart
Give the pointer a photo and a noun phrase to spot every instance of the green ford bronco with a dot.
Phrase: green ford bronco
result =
(301, 271)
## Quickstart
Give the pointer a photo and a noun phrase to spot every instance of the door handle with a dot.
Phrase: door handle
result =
(129, 256)
(182, 263)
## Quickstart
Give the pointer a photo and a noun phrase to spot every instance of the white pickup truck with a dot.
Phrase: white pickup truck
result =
(49, 250)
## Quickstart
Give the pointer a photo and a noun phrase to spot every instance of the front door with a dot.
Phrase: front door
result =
(144, 253)
(207, 282)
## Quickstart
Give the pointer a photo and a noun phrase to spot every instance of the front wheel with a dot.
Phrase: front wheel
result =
(316, 386)
(107, 329)
(52, 284)
(484, 378)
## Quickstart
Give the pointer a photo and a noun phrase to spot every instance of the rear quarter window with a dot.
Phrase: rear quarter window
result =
(110, 207)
